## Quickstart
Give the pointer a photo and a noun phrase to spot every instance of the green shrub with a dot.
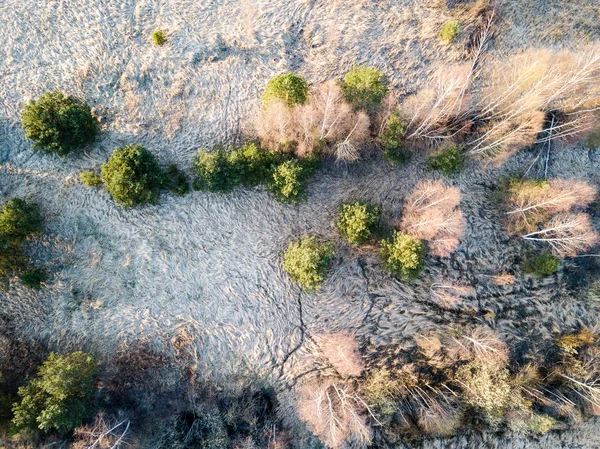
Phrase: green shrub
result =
(364, 87)
(403, 255)
(289, 179)
(58, 124)
(213, 170)
(132, 176)
(251, 165)
(392, 138)
(33, 278)
(90, 178)
(176, 181)
(61, 396)
(356, 222)
(158, 37)
(448, 161)
(449, 31)
(12, 260)
(19, 220)
(543, 264)
(306, 262)
(541, 424)
(289, 88)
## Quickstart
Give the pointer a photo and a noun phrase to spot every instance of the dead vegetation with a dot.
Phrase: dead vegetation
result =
(326, 122)
(431, 212)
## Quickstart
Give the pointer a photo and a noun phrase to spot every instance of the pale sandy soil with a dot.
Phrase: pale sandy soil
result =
(209, 264)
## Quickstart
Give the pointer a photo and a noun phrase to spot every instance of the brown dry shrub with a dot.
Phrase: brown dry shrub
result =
(341, 350)
(449, 294)
(431, 212)
(334, 413)
(503, 279)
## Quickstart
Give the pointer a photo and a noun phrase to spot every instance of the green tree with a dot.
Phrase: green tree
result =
(132, 176)
(289, 88)
(61, 396)
(356, 222)
(19, 220)
(306, 262)
(58, 124)
(448, 161)
(403, 255)
(365, 87)
(392, 138)
(214, 170)
(543, 264)
(449, 31)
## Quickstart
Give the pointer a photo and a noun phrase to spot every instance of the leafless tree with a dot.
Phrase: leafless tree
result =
(567, 234)
(334, 412)
(341, 350)
(515, 94)
(530, 203)
(325, 121)
(103, 433)
(431, 212)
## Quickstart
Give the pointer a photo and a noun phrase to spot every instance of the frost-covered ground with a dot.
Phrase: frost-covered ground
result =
(208, 265)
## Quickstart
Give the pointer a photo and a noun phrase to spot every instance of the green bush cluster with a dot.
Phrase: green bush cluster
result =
(543, 264)
(33, 277)
(365, 87)
(448, 161)
(132, 176)
(58, 124)
(306, 262)
(392, 138)
(19, 220)
(61, 396)
(158, 37)
(221, 170)
(449, 31)
(289, 88)
(357, 221)
(90, 178)
(403, 255)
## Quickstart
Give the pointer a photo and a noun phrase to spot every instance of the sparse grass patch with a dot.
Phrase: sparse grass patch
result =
(449, 161)
(543, 264)
(449, 31)
(132, 176)
(158, 37)
(403, 255)
(365, 87)
(289, 88)
(306, 262)
(58, 124)
(356, 221)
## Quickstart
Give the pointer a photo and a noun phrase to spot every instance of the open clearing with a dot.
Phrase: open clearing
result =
(208, 265)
